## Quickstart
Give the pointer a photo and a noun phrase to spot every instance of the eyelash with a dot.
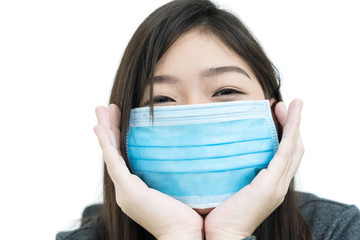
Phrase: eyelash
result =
(221, 92)
(226, 91)
(162, 99)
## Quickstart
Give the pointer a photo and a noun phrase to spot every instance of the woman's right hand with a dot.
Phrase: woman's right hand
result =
(161, 215)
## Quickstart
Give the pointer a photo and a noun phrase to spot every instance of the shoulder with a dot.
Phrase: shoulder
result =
(329, 219)
(87, 231)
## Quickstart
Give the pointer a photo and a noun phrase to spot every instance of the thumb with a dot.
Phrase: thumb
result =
(281, 113)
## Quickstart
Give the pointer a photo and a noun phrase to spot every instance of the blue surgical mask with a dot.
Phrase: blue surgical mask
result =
(201, 154)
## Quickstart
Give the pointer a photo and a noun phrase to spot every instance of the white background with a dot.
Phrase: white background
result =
(58, 60)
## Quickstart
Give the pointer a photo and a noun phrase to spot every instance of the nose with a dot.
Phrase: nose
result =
(195, 97)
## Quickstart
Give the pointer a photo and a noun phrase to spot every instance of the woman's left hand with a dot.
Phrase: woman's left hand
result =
(242, 213)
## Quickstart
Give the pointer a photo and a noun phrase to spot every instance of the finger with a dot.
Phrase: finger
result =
(103, 116)
(290, 123)
(281, 113)
(102, 135)
(114, 162)
(104, 119)
(296, 160)
(115, 123)
(282, 160)
(293, 118)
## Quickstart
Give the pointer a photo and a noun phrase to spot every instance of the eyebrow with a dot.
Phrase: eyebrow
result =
(162, 79)
(211, 72)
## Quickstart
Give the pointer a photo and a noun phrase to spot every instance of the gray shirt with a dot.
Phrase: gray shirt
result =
(328, 220)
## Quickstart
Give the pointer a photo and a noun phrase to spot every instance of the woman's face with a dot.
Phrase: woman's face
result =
(200, 68)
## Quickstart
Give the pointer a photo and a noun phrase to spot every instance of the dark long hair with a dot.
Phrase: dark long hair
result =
(153, 37)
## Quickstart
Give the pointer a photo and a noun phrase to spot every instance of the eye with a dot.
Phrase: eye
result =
(162, 99)
(227, 91)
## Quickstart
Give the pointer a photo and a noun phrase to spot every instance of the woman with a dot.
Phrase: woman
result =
(170, 61)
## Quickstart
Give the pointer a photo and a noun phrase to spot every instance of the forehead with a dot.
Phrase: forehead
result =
(196, 51)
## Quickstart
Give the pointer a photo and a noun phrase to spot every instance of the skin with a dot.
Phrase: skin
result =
(199, 68)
